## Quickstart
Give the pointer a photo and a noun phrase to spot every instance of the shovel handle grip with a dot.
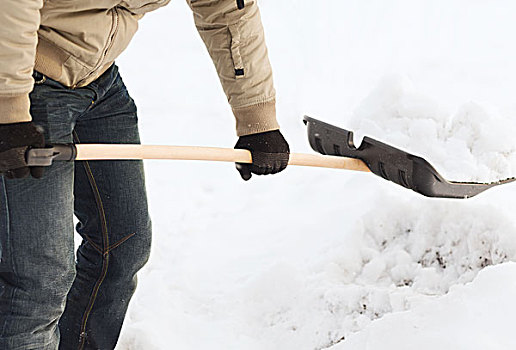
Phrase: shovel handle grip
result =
(45, 156)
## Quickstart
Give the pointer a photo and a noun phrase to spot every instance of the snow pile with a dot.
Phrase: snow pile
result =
(431, 246)
(478, 315)
(395, 259)
(472, 144)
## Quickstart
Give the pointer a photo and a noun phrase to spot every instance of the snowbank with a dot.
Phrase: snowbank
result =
(393, 260)
(477, 316)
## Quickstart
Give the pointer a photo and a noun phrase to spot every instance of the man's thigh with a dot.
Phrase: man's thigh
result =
(36, 229)
(110, 196)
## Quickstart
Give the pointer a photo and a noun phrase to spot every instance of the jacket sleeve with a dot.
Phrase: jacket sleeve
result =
(233, 33)
(19, 22)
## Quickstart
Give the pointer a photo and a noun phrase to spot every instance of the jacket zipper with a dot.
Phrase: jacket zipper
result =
(240, 4)
(109, 45)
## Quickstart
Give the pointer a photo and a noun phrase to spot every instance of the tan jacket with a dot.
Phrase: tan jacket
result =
(75, 41)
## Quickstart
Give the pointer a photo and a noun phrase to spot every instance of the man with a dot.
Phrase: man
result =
(63, 51)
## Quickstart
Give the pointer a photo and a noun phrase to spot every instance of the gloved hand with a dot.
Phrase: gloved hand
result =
(270, 153)
(15, 139)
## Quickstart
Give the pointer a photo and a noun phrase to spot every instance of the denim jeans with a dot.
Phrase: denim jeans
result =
(49, 298)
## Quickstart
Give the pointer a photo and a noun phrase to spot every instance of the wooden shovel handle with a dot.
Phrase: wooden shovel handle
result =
(116, 151)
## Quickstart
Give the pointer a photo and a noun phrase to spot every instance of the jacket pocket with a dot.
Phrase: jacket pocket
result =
(236, 45)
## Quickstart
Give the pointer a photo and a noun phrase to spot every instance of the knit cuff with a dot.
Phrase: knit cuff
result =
(256, 118)
(15, 109)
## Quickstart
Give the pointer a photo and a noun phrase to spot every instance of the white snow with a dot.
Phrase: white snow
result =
(471, 144)
(318, 258)
(466, 318)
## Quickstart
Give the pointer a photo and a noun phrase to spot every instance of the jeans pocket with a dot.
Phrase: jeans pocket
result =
(39, 78)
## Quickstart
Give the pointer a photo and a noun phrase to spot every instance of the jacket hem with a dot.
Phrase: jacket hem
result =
(59, 65)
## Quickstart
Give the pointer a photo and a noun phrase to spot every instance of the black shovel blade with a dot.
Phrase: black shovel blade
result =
(393, 164)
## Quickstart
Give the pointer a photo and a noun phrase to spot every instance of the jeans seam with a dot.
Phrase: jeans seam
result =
(93, 244)
(105, 255)
(111, 247)
(118, 243)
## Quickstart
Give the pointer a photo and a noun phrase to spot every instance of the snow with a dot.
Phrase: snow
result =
(468, 317)
(471, 144)
(319, 258)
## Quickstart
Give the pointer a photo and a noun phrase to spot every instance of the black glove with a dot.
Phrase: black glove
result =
(270, 153)
(15, 139)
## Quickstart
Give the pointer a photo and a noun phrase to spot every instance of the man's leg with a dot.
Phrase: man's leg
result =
(111, 205)
(37, 257)
(36, 232)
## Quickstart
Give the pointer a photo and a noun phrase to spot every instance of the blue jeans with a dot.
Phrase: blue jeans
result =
(49, 298)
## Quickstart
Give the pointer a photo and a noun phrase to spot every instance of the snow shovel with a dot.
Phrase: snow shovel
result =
(334, 143)
(393, 164)
(72, 152)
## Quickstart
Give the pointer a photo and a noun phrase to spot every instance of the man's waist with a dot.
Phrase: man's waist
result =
(56, 63)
